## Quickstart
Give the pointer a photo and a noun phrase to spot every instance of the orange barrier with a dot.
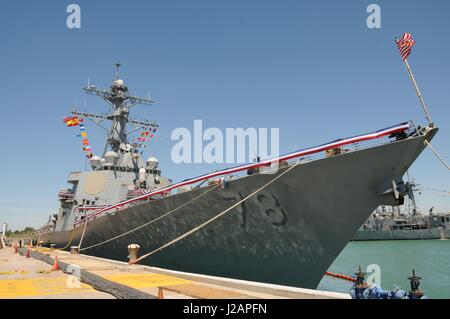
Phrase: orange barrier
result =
(160, 293)
(344, 277)
(55, 264)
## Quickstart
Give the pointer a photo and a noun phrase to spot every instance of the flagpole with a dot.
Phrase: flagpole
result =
(419, 95)
(425, 109)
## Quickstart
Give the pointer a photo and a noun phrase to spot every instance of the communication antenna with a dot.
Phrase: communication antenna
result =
(117, 70)
(120, 101)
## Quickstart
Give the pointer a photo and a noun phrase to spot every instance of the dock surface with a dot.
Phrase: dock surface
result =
(22, 277)
(85, 276)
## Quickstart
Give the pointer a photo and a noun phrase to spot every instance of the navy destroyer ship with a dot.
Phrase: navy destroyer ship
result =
(390, 223)
(284, 228)
(406, 222)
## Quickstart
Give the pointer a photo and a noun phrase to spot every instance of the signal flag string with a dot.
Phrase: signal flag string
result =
(74, 121)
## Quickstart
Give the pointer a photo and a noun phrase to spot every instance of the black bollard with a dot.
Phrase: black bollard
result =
(415, 293)
(360, 284)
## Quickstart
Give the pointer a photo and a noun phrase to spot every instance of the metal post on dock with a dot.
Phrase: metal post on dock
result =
(414, 280)
(133, 253)
(360, 284)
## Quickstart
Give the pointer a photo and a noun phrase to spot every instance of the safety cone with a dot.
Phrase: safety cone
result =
(55, 264)
(160, 293)
(28, 253)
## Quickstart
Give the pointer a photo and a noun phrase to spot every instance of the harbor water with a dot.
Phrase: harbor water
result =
(396, 258)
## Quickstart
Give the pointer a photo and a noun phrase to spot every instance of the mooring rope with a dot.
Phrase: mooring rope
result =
(71, 238)
(436, 153)
(39, 237)
(150, 222)
(82, 235)
(214, 218)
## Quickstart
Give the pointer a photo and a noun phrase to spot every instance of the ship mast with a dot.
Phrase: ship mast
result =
(121, 102)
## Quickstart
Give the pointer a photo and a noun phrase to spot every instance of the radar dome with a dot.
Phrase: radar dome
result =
(95, 161)
(152, 162)
(111, 157)
(119, 82)
(142, 175)
(125, 147)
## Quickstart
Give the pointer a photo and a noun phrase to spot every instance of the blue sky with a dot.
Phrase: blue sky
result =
(311, 68)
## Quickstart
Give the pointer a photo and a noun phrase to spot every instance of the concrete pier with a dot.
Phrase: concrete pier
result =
(85, 276)
(26, 278)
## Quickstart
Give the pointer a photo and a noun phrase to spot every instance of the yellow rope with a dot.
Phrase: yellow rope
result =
(71, 238)
(70, 241)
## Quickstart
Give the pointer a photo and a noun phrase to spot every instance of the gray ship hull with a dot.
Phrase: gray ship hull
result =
(366, 235)
(288, 234)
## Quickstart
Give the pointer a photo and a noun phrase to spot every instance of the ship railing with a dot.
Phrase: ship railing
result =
(88, 208)
(65, 193)
(349, 148)
(30, 234)
(338, 147)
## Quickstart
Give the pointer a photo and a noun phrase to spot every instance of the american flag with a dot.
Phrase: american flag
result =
(405, 45)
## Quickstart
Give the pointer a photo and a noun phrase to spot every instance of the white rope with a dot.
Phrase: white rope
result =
(82, 235)
(437, 155)
(150, 222)
(214, 218)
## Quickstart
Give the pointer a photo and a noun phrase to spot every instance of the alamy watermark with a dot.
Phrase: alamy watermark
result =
(73, 21)
(74, 278)
(374, 19)
(235, 145)
(374, 275)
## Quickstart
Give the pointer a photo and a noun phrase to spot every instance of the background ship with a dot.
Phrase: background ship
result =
(284, 228)
(408, 222)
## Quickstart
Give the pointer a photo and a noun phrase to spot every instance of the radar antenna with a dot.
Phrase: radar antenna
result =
(121, 102)
(117, 70)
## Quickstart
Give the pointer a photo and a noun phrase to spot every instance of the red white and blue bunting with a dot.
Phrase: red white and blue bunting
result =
(334, 144)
